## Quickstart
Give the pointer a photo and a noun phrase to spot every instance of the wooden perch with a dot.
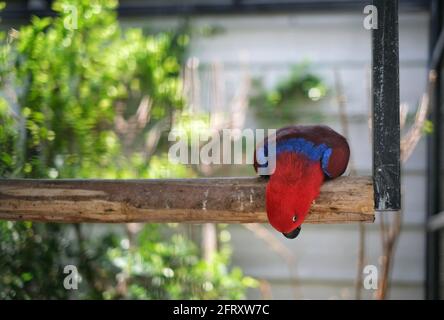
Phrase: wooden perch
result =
(223, 200)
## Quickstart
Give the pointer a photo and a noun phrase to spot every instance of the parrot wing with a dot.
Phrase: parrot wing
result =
(318, 142)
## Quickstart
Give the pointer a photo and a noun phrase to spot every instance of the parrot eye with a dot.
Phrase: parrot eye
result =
(295, 218)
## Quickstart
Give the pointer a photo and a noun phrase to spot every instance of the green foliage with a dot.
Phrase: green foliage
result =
(174, 270)
(428, 127)
(63, 91)
(7, 140)
(283, 100)
(31, 261)
(72, 81)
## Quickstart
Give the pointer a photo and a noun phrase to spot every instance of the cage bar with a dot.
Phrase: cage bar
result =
(386, 127)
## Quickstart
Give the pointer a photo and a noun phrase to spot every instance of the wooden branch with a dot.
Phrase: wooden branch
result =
(223, 200)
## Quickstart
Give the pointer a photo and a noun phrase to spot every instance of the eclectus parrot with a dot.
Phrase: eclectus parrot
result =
(305, 156)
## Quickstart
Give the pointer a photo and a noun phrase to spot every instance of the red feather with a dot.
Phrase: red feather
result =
(297, 180)
(291, 190)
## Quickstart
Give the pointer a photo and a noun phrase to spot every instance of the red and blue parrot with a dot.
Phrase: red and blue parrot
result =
(305, 157)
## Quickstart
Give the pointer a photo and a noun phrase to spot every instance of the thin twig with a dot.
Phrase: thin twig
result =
(342, 106)
(270, 239)
(265, 289)
(409, 141)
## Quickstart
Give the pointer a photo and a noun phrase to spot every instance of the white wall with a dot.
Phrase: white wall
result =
(326, 254)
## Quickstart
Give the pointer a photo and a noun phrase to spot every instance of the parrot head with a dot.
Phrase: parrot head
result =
(290, 192)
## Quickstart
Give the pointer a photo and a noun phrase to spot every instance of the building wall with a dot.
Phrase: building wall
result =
(326, 255)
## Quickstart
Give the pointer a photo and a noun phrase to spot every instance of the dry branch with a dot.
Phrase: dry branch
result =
(224, 200)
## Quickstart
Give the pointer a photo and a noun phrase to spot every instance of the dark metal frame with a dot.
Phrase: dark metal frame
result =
(386, 128)
(233, 7)
(434, 143)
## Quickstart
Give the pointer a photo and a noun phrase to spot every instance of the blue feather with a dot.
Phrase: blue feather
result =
(314, 152)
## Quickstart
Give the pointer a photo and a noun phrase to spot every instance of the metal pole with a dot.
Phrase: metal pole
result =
(432, 276)
(386, 131)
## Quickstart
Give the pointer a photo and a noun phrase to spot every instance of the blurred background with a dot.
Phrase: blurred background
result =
(90, 89)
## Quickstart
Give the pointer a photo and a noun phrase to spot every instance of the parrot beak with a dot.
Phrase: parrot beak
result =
(292, 234)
